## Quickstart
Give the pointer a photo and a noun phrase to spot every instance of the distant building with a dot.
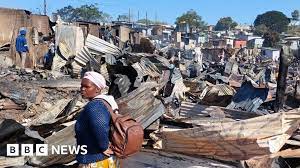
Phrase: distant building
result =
(238, 43)
(210, 28)
(89, 28)
(243, 27)
(245, 36)
(295, 42)
(183, 27)
(38, 27)
(294, 23)
(270, 54)
(255, 42)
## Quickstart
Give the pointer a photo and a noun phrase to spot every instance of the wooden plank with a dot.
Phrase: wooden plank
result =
(12, 161)
(7, 104)
(239, 140)
(293, 142)
(288, 153)
(161, 159)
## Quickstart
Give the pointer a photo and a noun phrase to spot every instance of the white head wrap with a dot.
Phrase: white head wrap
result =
(96, 78)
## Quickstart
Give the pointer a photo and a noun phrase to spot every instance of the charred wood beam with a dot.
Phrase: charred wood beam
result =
(285, 59)
(67, 83)
(7, 104)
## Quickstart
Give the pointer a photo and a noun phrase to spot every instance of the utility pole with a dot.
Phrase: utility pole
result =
(138, 16)
(146, 19)
(129, 15)
(155, 17)
(146, 24)
(45, 7)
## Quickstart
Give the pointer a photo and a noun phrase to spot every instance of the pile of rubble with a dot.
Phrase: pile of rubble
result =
(221, 109)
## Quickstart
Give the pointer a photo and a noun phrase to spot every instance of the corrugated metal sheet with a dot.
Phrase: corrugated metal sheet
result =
(146, 67)
(70, 41)
(248, 98)
(188, 110)
(219, 90)
(98, 46)
(84, 56)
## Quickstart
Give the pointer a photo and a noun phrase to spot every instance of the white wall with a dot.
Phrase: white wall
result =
(271, 54)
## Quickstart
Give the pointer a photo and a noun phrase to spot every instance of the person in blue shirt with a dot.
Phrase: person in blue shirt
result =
(93, 125)
(22, 47)
(48, 57)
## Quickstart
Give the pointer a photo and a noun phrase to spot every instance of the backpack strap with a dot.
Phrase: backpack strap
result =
(109, 108)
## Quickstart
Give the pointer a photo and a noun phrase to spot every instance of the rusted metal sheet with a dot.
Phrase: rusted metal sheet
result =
(89, 28)
(12, 19)
(41, 22)
(11, 22)
(23, 19)
(218, 95)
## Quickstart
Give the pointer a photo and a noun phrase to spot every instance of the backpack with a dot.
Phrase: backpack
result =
(126, 135)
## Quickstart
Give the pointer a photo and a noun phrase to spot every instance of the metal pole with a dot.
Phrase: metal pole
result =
(129, 16)
(45, 7)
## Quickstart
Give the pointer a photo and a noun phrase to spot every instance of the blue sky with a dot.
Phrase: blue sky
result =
(241, 11)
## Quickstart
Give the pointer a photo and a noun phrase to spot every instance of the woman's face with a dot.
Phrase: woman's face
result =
(88, 89)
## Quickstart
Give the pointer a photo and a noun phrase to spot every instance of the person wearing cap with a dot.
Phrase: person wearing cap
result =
(22, 47)
(93, 124)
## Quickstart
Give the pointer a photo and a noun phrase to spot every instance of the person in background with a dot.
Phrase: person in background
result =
(48, 58)
(93, 124)
(22, 47)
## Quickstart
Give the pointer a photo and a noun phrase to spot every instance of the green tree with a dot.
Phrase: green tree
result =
(295, 15)
(273, 20)
(271, 38)
(67, 13)
(90, 13)
(225, 23)
(192, 18)
(260, 30)
(144, 21)
(123, 18)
